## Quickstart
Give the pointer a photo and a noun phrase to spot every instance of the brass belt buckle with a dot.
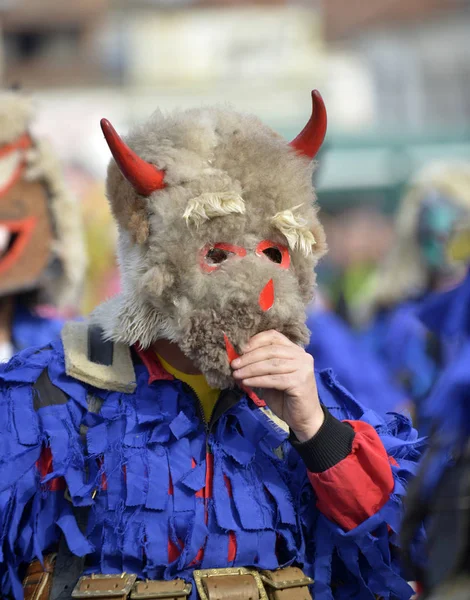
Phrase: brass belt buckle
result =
(149, 589)
(285, 584)
(200, 574)
(104, 586)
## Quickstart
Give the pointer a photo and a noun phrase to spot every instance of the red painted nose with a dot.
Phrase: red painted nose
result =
(266, 297)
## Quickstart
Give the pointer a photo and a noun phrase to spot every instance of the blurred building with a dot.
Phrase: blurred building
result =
(418, 54)
(123, 59)
(46, 42)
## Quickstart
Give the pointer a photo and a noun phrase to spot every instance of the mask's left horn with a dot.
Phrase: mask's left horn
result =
(144, 177)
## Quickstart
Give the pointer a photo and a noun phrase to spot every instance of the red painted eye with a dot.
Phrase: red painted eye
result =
(276, 253)
(212, 256)
(216, 256)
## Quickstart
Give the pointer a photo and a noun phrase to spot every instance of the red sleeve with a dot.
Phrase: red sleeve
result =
(358, 486)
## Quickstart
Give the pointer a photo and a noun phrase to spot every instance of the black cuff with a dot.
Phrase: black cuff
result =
(330, 445)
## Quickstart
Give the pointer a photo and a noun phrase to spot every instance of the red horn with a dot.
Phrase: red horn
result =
(144, 177)
(311, 137)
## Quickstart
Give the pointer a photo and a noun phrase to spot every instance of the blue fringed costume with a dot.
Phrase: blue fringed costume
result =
(137, 456)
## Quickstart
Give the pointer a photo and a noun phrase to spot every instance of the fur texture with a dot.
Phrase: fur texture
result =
(207, 206)
(211, 154)
(296, 231)
(15, 115)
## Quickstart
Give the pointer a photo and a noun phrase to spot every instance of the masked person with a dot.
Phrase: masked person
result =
(41, 250)
(441, 491)
(434, 206)
(179, 443)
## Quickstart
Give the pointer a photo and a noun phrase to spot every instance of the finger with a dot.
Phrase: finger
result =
(265, 338)
(266, 367)
(264, 353)
(280, 381)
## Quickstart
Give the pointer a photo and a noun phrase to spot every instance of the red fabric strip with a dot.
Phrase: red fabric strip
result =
(199, 493)
(232, 546)
(44, 467)
(153, 365)
(228, 485)
(232, 354)
(104, 481)
(173, 550)
(209, 474)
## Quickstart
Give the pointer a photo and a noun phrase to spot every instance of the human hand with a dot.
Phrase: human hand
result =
(285, 373)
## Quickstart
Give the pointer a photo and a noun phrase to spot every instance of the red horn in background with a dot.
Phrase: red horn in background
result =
(144, 177)
(311, 137)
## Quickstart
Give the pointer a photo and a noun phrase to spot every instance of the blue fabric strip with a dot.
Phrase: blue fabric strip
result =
(158, 479)
(223, 504)
(136, 478)
(97, 439)
(180, 465)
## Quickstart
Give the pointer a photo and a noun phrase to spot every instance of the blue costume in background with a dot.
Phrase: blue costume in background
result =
(30, 329)
(413, 355)
(448, 316)
(441, 489)
(333, 345)
(400, 340)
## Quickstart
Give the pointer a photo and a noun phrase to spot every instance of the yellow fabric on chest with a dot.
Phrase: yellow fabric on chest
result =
(207, 395)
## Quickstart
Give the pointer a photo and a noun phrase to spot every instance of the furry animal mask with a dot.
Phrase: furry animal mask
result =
(218, 232)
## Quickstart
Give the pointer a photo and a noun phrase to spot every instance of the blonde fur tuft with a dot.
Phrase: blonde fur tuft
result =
(295, 229)
(209, 205)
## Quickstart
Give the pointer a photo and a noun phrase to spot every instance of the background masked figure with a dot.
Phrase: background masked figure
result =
(334, 345)
(441, 491)
(437, 202)
(182, 430)
(42, 256)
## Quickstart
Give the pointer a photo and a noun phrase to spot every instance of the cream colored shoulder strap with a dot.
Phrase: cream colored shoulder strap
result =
(111, 369)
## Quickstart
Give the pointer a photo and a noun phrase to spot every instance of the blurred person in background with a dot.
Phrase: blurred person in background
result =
(359, 239)
(42, 257)
(334, 345)
(437, 201)
(440, 493)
